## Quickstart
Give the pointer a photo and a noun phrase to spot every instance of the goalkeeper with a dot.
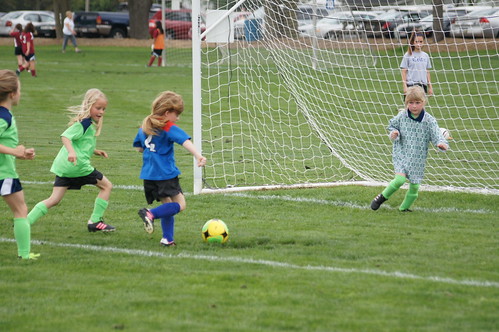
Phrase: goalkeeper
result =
(411, 131)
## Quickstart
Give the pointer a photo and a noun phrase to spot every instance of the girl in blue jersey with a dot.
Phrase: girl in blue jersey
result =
(155, 140)
(72, 164)
(10, 186)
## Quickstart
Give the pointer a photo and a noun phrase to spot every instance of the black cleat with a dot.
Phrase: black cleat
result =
(146, 217)
(406, 210)
(100, 227)
(377, 201)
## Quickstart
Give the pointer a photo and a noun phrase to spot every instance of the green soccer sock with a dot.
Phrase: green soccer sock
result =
(410, 196)
(22, 233)
(37, 212)
(100, 207)
(394, 186)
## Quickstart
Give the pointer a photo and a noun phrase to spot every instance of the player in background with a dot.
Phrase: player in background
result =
(10, 186)
(416, 64)
(155, 140)
(72, 164)
(18, 47)
(411, 131)
(27, 38)
(159, 44)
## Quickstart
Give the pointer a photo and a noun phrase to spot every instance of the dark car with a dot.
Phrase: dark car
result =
(177, 23)
(385, 24)
(102, 24)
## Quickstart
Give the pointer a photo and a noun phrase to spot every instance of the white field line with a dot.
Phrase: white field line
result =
(310, 200)
(148, 253)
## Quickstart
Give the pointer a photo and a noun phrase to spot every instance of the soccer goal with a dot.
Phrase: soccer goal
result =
(280, 101)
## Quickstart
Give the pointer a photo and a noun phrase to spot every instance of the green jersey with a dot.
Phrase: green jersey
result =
(8, 138)
(82, 136)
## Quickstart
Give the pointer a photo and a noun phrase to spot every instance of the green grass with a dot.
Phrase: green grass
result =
(296, 260)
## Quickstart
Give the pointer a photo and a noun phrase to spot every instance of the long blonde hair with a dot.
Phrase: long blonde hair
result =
(80, 112)
(165, 102)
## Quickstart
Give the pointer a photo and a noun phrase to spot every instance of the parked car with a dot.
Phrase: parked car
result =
(178, 23)
(328, 28)
(425, 24)
(102, 24)
(385, 24)
(43, 21)
(304, 16)
(481, 23)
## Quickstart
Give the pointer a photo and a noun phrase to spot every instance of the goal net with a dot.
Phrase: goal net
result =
(285, 102)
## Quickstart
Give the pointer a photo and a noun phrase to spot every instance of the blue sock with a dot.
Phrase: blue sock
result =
(165, 210)
(168, 226)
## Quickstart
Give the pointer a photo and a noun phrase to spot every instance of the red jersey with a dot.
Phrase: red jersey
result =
(27, 42)
(17, 38)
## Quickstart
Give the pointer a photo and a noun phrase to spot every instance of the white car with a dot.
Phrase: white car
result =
(336, 25)
(327, 28)
(43, 21)
(480, 23)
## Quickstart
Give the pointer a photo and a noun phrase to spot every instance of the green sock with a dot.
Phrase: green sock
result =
(22, 233)
(37, 212)
(394, 186)
(410, 196)
(100, 207)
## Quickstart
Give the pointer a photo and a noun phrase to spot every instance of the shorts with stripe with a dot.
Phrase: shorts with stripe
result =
(10, 186)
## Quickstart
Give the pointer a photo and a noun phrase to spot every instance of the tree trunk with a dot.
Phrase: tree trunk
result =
(139, 18)
(60, 9)
(438, 21)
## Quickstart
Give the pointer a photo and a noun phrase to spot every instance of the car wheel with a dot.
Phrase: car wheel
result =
(331, 35)
(118, 33)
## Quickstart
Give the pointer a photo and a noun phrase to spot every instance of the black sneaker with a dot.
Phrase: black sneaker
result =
(147, 219)
(377, 201)
(100, 226)
(18, 72)
(406, 210)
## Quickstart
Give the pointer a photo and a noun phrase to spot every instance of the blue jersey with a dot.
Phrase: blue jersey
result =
(158, 158)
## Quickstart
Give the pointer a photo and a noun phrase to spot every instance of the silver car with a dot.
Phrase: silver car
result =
(43, 21)
(480, 23)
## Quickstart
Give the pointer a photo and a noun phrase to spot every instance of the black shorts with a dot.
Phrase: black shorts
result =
(155, 190)
(78, 182)
(10, 186)
(157, 52)
(18, 50)
(30, 57)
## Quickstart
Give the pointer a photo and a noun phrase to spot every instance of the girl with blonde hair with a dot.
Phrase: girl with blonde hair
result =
(72, 165)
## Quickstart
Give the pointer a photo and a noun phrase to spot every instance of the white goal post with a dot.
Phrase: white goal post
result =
(286, 99)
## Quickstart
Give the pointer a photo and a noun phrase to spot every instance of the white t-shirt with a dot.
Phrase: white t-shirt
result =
(416, 64)
(65, 30)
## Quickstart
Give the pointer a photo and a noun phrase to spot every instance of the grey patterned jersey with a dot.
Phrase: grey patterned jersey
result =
(410, 149)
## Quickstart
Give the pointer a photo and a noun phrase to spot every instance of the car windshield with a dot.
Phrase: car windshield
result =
(388, 16)
(12, 15)
(480, 13)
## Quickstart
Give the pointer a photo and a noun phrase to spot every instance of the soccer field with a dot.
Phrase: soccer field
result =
(296, 260)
